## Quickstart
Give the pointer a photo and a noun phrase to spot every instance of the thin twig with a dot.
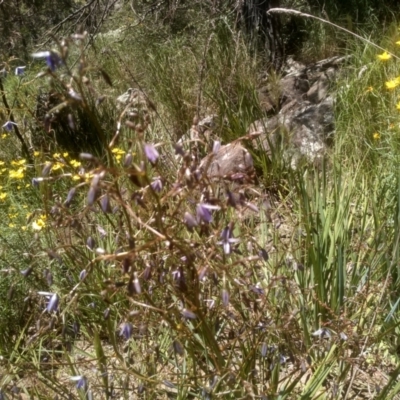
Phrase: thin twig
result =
(25, 148)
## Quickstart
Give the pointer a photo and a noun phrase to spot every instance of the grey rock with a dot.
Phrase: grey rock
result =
(303, 126)
(232, 162)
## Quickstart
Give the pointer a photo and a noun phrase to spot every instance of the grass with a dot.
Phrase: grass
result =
(302, 303)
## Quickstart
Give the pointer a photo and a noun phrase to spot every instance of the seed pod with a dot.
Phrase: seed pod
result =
(147, 273)
(216, 146)
(252, 207)
(169, 384)
(128, 160)
(105, 204)
(106, 313)
(27, 272)
(71, 122)
(264, 349)
(92, 195)
(188, 314)
(48, 276)
(90, 242)
(263, 254)
(136, 284)
(203, 273)
(87, 157)
(76, 327)
(53, 303)
(47, 168)
(177, 347)
(106, 77)
(70, 197)
(225, 297)
(126, 264)
(248, 159)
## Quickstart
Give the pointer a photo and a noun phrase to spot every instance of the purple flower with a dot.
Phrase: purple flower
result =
(35, 182)
(19, 71)
(157, 185)
(126, 330)
(203, 213)
(53, 303)
(82, 275)
(151, 153)
(53, 59)
(8, 126)
(81, 382)
(227, 239)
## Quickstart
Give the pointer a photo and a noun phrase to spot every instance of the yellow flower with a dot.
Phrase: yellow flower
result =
(23, 228)
(17, 174)
(65, 155)
(38, 225)
(398, 42)
(36, 153)
(18, 163)
(4, 135)
(1, 163)
(116, 150)
(385, 56)
(11, 225)
(376, 136)
(118, 153)
(57, 166)
(57, 155)
(75, 163)
(369, 89)
(76, 177)
(3, 196)
(393, 83)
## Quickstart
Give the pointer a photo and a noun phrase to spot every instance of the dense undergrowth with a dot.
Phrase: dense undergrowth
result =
(126, 273)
